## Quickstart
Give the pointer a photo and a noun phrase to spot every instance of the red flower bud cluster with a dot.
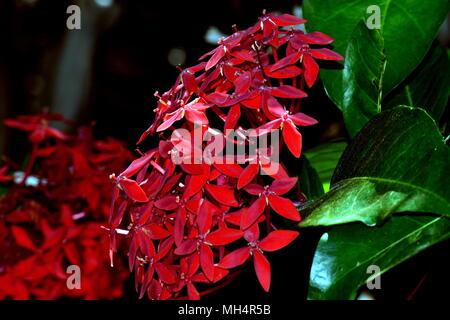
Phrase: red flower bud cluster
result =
(53, 214)
(193, 221)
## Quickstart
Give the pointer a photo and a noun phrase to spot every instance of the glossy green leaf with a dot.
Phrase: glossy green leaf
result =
(428, 87)
(408, 28)
(397, 163)
(324, 158)
(362, 77)
(343, 255)
(308, 180)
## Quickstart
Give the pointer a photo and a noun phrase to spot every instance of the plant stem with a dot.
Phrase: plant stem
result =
(302, 87)
(413, 293)
(256, 46)
(275, 57)
(269, 225)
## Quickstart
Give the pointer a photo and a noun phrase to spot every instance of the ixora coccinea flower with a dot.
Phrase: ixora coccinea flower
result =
(54, 212)
(193, 223)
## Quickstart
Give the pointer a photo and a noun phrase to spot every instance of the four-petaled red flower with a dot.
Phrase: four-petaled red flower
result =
(275, 240)
(270, 196)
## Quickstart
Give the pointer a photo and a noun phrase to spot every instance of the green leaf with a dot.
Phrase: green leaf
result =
(362, 77)
(370, 200)
(428, 87)
(408, 28)
(308, 180)
(325, 157)
(343, 254)
(397, 163)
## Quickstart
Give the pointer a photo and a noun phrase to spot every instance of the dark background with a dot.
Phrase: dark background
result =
(108, 71)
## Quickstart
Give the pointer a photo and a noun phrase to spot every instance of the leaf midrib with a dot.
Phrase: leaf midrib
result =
(440, 198)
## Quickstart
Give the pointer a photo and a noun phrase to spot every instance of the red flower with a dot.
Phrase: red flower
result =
(38, 126)
(202, 239)
(57, 221)
(4, 177)
(288, 122)
(274, 241)
(299, 49)
(186, 203)
(194, 112)
(270, 195)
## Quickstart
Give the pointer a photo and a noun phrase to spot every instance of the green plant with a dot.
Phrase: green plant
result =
(389, 197)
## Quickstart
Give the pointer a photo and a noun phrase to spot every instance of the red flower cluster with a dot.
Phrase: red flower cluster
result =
(186, 220)
(53, 212)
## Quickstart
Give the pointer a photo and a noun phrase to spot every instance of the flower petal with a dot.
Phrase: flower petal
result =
(218, 98)
(266, 128)
(288, 60)
(254, 189)
(186, 247)
(180, 221)
(12, 123)
(316, 38)
(215, 58)
(311, 70)
(243, 82)
(165, 274)
(22, 238)
(283, 73)
(262, 269)
(293, 139)
(224, 236)
(244, 55)
(137, 165)
(233, 117)
(204, 217)
(235, 258)
(286, 91)
(284, 207)
(281, 186)
(253, 213)
(133, 190)
(325, 54)
(195, 183)
(302, 119)
(284, 20)
(207, 261)
(247, 175)
(232, 169)
(196, 117)
(168, 203)
(54, 239)
(175, 116)
(222, 194)
(148, 277)
(189, 81)
(156, 231)
(278, 239)
(192, 292)
(252, 234)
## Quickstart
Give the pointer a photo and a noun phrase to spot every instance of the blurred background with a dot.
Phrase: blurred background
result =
(108, 70)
